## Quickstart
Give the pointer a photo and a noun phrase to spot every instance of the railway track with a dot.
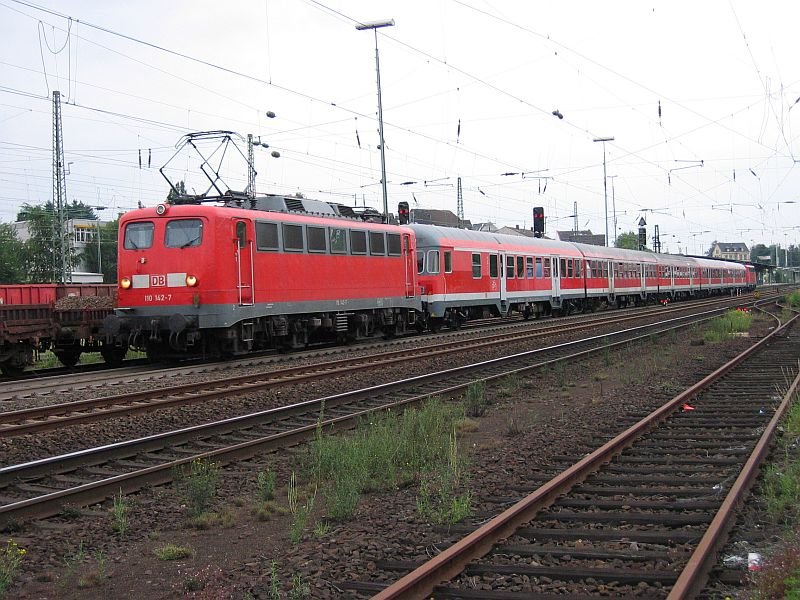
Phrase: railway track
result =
(43, 487)
(94, 376)
(643, 515)
(44, 418)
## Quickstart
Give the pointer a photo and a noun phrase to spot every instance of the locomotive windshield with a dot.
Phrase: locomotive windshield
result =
(183, 233)
(138, 236)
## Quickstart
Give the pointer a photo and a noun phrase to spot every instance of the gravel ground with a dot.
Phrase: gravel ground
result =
(79, 555)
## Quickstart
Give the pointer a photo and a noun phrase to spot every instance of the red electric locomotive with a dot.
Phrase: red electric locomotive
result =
(270, 272)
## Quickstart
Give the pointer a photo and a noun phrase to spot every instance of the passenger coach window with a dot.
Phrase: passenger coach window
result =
(292, 238)
(138, 236)
(476, 266)
(377, 243)
(493, 265)
(433, 262)
(547, 267)
(509, 267)
(358, 242)
(316, 239)
(529, 266)
(183, 233)
(448, 262)
(338, 240)
(520, 267)
(393, 243)
(267, 236)
(539, 268)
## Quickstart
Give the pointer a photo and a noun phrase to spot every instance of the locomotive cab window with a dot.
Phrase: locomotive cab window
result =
(183, 233)
(338, 240)
(393, 244)
(292, 238)
(267, 236)
(377, 243)
(241, 233)
(448, 262)
(316, 239)
(420, 261)
(138, 236)
(358, 241)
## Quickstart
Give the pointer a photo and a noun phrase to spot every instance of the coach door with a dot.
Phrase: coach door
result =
(556, 279)
(244, 264)
(503, 283)
(610, 277)
(410, 267)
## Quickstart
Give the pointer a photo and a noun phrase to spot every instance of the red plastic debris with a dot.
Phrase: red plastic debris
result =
(687, 406)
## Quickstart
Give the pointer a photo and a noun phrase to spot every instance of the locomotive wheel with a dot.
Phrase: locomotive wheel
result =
(68, 357)
(113, 355)
(10, 369)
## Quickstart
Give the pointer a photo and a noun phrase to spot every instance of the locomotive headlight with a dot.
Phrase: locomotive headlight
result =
(191, 280)
(161, 209)
(124, 283)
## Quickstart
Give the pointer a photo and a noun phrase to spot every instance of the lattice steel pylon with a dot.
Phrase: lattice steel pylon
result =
(62, 263)
(251, 168)
(460, 207)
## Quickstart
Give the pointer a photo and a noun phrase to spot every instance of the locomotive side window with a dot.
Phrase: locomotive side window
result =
(267, 236)
(420, 261)
(316, 239)
(433, 262)
(509, 267)
(494, 271)
(358, 242)
(448, 262)
(241, 233)
(520, 267)
(393, 244)
(183, 233)
(138, 236)
(476, 266)
(377, 243)
(338, 240)
(292, 238)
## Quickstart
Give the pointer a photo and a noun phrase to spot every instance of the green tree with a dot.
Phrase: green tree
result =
(76, 210)
(105, 252)
(762, 254)
(42, 250)
(627, 240)
(12, 265)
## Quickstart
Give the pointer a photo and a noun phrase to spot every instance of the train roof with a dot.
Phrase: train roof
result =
(435, 235)
(276, 213)
(619, 254)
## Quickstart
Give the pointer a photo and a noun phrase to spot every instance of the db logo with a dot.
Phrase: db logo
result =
(158, 280)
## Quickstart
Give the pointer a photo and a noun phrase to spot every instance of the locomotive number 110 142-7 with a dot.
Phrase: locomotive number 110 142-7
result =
(157, 297)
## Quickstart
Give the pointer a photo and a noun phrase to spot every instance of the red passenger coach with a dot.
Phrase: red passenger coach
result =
(271, 272)
(468, 274)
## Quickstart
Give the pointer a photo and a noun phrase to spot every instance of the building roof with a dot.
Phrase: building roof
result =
(584, 236)
(732, 247)
(430, 216)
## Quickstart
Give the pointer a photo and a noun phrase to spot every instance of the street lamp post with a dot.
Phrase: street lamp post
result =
(605, 178)
(375, 25)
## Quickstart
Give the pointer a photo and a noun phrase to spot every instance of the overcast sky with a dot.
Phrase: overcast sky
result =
(699, 97)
